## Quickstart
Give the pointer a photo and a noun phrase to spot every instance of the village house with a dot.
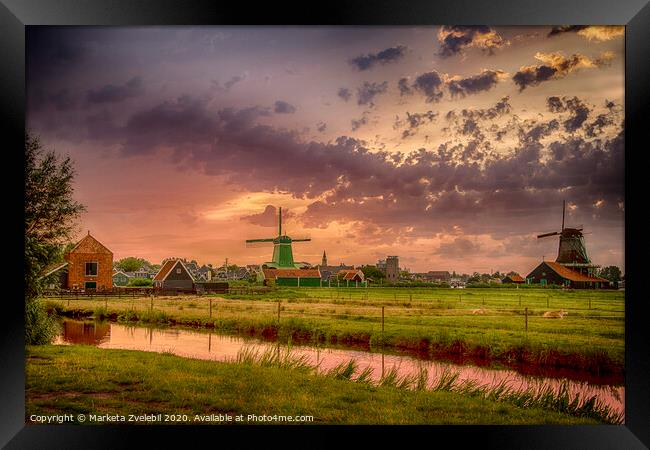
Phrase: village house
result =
(509, 279)
(89, 266)
(554, 273)
(120, 278)
(174, 275)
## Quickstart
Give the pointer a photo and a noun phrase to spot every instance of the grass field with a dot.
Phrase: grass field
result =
(87, 380)
(485, 323)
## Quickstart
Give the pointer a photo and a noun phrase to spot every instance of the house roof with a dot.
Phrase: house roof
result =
(515, 278)
(115, 272)
(291, 273)
(89, 245)
(571, 274)
(350, 274)
(166, 269)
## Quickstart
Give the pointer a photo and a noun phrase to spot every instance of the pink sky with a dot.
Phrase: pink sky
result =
(451, 147)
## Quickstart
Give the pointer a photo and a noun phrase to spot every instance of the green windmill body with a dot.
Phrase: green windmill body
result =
(282, 252)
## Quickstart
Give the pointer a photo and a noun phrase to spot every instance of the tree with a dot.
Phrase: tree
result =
(372, 272)
(131, 264)
(50, 216)
(611, 273)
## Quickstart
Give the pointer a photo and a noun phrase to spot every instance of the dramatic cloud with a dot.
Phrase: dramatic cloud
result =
(591, 32)
(455, 39)
(486, 80)
(268, 218)
(110, 93)
(321, 126)
(367, 92)
(556, 65)
(414, 121)
(579, 111)
(344, 93)
(392, 54)
(282, 107)
(459, 248)
(430, 84)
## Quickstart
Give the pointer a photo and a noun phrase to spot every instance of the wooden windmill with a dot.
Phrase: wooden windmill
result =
(572, 251)
(282, 250)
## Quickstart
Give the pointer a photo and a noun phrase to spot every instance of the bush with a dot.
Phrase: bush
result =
(40, 327)
(141, 282)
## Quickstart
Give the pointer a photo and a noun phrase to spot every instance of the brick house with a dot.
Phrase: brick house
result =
(90, 265)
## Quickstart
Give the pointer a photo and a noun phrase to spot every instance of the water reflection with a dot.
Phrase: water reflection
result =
(218, 347)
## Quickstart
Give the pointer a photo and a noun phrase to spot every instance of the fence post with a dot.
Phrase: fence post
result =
(547, 300)
(106, 303)
(519, 300)
(526, 318)
(589, 302)
(211, 308)
(382, 324)
(410, 297)
(279, 301)
(151, 307)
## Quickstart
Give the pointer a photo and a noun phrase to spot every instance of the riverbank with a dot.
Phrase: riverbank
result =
(478, 326)
(87, 380)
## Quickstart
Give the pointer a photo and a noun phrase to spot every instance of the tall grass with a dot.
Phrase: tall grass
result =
(448, 380)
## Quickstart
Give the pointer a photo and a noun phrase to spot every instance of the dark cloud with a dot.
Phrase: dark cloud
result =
(555, 65)
(460, 247)
(321, 126)
(412, 194)
(110, 93)
(430, 84)
(358, 123)
(579, 111)
(268, 218)
(392, 54)
(403, 86)
(566, 29)
(344, 93)
(228, 85)
(282, 107)
(367, 92)
(455, 39)
(484, 81)
(414, 121)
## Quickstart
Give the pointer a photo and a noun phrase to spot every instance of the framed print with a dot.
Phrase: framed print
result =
(242, 223)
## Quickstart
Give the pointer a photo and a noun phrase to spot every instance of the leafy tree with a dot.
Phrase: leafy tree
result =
(131, 264)
(611, 273)
(50, 217)
(373, 272)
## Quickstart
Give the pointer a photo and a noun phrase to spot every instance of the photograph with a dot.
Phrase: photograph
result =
(359, 225)
(351, 222)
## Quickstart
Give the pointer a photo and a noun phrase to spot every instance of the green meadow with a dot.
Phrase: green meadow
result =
(497, 324)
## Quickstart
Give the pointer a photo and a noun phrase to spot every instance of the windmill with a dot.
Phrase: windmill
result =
(282, 251)
(572, 251)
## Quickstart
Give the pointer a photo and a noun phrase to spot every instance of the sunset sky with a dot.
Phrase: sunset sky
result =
(451, 147)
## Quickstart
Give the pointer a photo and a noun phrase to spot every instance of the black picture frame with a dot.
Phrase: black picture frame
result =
(15, 15)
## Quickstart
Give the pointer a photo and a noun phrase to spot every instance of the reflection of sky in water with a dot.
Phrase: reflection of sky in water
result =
(224, 347)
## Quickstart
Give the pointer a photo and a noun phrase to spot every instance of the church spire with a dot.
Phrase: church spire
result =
(324, 261)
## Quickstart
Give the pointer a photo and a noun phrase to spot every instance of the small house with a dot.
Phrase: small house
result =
(509, 279)
(553, 273)
(90, 265)
(120, 278)
(351, 277)
(174, 275)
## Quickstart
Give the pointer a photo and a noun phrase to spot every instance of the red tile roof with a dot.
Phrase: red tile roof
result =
(573, 275)
(291, 273)
(350, 274)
